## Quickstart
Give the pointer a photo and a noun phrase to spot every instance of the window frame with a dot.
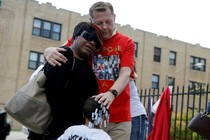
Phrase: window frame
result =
(39, 60)
(196, 86)
(157, 54)
(172, 61)
(46, 29)
(170, 81)
(1, 1)
(155, 84)
(136, 48)
(194, 60)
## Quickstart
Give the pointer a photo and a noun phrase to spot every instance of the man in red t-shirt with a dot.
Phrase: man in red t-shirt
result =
(113, 66)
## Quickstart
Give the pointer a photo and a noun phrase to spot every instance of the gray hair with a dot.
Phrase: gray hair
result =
(100, 7)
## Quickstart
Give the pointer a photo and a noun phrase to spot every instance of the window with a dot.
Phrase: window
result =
(155, 81)
(0, 3)
(46, 29)
(136, 49)
(170, 81)
(35, 60)
(197, 63)
(196, 86)
(157, 54)
(172, 58)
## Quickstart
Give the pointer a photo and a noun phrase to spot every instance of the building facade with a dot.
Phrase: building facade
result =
(27, 28)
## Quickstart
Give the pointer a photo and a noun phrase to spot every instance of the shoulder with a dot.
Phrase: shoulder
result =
(74, 128)
(68, 52)
(124, 38)
(68, 42)
(66, 47)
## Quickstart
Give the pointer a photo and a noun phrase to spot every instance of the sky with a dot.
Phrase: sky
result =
(184, 20)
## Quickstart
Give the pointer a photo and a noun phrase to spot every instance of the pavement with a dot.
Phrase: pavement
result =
(16, 135)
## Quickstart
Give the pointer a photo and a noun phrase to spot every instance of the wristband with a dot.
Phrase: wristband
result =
(114, 92)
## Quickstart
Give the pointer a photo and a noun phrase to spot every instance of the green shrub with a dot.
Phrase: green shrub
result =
(178, 127)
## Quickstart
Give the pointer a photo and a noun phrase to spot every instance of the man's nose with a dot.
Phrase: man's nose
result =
(104, 25)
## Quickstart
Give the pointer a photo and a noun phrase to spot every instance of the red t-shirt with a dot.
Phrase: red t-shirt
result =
(117, 52)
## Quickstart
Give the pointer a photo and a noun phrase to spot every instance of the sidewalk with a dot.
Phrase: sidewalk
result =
(16, 135)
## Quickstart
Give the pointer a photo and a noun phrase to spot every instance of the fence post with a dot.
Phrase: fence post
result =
(149, 112)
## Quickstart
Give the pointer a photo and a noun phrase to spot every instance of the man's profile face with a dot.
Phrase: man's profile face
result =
(105, 21)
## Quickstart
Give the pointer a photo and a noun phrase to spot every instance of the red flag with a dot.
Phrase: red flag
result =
(161, 128)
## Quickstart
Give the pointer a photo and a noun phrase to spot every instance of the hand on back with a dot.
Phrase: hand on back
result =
(54, 57)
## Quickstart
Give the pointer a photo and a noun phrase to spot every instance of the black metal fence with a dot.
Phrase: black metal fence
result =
(185, 104)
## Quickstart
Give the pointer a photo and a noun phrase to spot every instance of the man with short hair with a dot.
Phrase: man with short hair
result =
(117, 61)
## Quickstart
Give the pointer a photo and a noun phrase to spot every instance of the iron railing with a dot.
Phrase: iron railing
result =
(185, 104)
